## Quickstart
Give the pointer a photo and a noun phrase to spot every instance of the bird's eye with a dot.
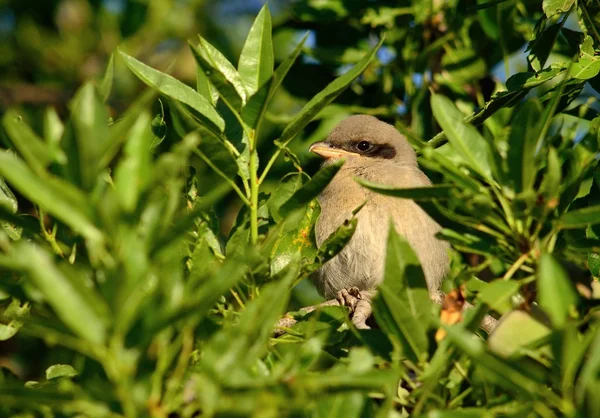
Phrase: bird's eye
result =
(363, 146)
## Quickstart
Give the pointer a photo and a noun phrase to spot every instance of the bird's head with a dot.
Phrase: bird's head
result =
(365, 140)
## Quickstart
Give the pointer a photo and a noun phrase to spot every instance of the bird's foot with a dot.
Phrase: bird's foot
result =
(359, 304)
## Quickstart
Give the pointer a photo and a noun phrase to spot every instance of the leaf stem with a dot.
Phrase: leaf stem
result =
(223, 175)
(254, 183)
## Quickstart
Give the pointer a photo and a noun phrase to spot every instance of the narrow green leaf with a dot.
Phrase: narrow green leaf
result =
(56, 196)
(133, 172)
(552, 180)
(205, 88)
(556, 294)
(326, 96)
(220, 76)
(463, 137)
(335, 242)
(311, 189)
(31, 147)
(87, 138)
(105, 86)
(441, 191)
(244, 343)
(53, 133)
(7, 198)
(580, 218)
(402, 307)
(254, 110)
(256, 59)
(175, 89)
(68, 303)
(521, 145)
(288, 185)
(542, 45)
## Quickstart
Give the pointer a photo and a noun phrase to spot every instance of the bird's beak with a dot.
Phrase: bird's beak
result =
(326, 150)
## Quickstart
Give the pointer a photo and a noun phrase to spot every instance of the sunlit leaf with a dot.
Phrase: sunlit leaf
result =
(174, 88)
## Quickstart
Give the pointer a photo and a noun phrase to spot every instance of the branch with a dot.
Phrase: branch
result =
(487, 324)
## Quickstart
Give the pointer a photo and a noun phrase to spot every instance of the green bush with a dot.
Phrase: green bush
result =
(116, 262)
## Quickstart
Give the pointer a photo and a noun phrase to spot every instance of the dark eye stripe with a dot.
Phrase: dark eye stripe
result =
(384, 151)
(377, 151)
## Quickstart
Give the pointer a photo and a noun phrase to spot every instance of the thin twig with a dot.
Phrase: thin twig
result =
(487, 324)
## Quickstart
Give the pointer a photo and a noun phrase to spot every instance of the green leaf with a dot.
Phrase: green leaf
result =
(335, 242)
(16, 312)
(541, 46)
(244, 343)
(326, 96)
(68, 301)
(60, 370)
(402, 306)
(256, 59)
(254, 110)
(7, 198)
(31, 147)
(288, 185)
(300, 243)
(311, 189)
(552, 180)
(221, 74)
(53, 132)
(107, 81)
(87, 137)
(175, 89)
(580, 218)
(588, 64)
(556, 294)
(441, 191)
(198, 305)
(464, 138)
(521, 146)
(515, 332)
(56, 196)
(552, 7)
(498, 294)
(133, 172)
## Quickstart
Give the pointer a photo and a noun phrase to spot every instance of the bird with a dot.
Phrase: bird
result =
(373, 150)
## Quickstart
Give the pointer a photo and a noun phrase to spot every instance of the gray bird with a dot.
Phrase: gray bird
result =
(374, 151)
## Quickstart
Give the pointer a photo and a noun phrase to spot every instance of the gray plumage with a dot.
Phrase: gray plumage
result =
(388, 160)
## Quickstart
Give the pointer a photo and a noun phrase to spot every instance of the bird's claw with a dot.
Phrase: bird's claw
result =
(349, 297)
(360, 306)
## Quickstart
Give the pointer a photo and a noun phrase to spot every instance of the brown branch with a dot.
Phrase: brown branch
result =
(488, 323)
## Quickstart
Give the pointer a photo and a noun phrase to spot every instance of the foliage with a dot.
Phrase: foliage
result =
(112, 252)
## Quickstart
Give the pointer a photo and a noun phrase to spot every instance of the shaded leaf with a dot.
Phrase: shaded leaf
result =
(73, 307)
(580, 218)
(556, 294)
(59, 198)
(465, 139)
(521, 146)
(134, 171)
(311, 189)
(402, 307)
(26, 142)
